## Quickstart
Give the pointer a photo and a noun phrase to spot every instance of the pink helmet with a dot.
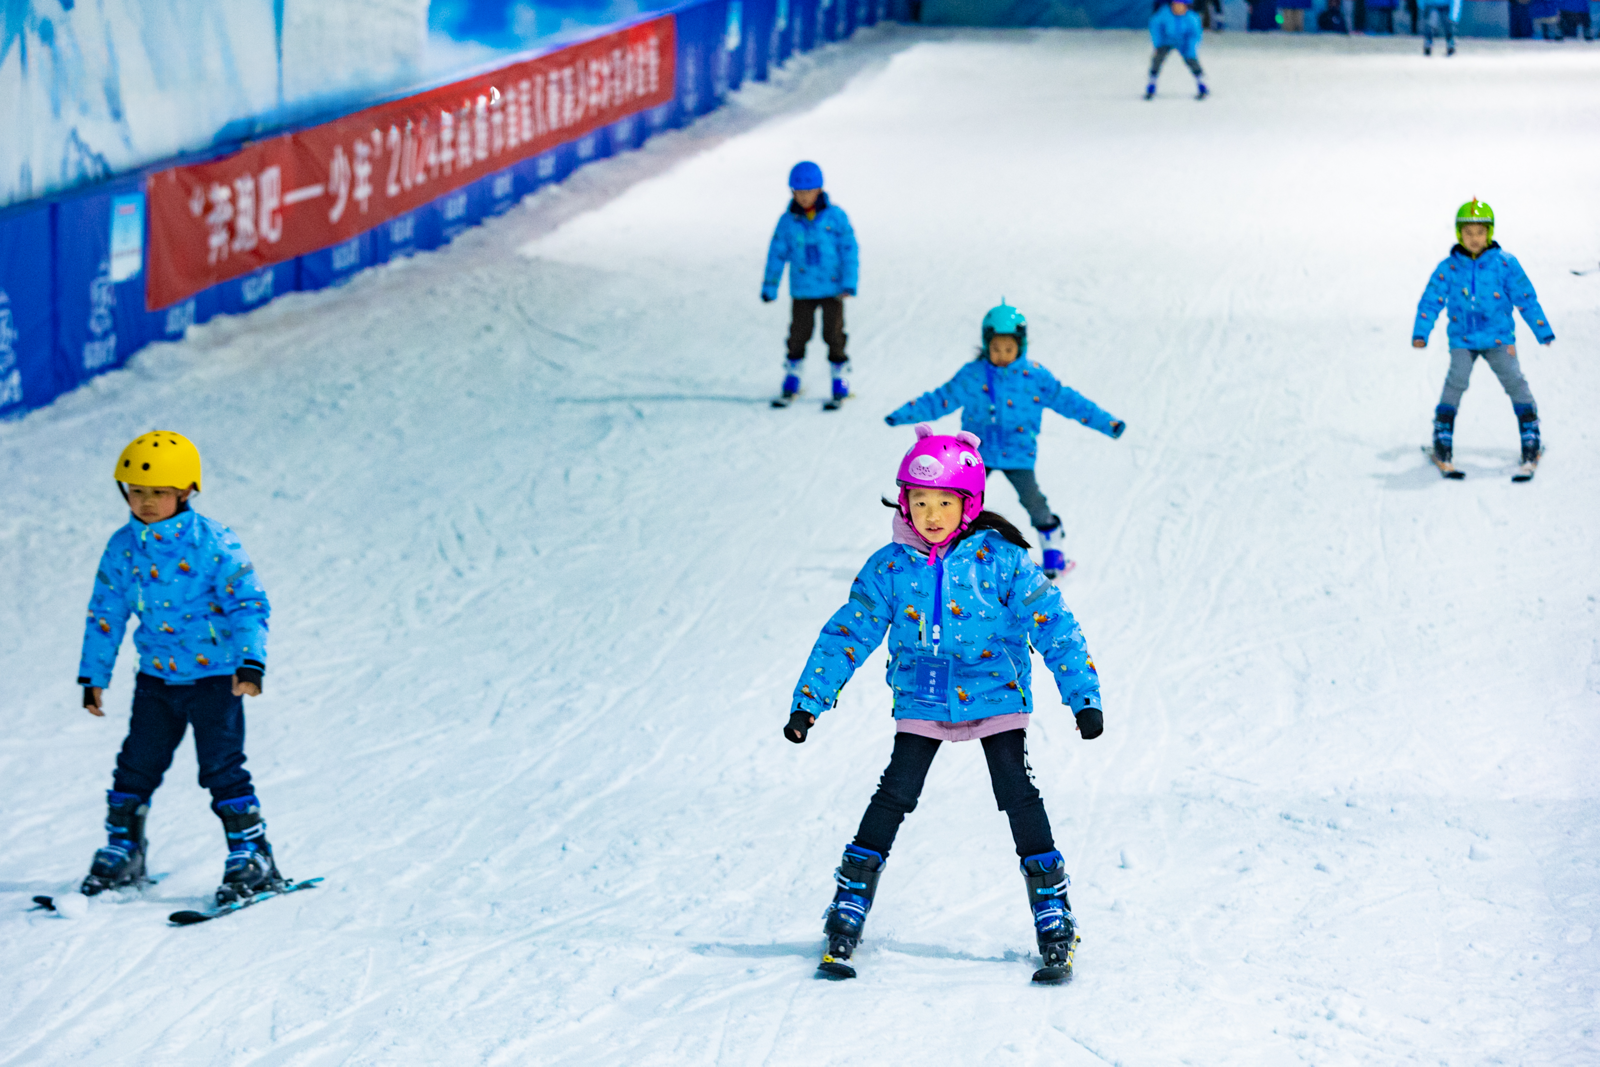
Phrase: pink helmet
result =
(938, 461)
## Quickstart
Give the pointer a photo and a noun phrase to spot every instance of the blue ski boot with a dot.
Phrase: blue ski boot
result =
(1528, 426)
(250, 867)
(1057, 932)
(120, 862)
(857, 876)
(1150, 91)
(841, 386)
(1444, 430)
(1201, 92)
(791, 384)
(1051, 538)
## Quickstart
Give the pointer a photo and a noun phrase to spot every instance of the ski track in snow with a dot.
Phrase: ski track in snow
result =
(544, 568)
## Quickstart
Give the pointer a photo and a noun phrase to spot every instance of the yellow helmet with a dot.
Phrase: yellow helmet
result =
(160, 458)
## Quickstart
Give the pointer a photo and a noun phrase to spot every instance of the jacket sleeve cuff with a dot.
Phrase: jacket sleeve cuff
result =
(1080, 701)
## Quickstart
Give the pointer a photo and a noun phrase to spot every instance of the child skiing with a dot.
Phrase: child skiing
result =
(1002, 396)
(960, 601)
(814, 238)
(1445, 13)
(202, 647)
(1477, 285)
(1174, 26)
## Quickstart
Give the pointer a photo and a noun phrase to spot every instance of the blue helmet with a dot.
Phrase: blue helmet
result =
(1006, 320)
(805, 175)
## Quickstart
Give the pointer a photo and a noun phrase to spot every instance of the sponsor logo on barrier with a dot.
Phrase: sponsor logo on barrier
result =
(100, 350)
(300, 192)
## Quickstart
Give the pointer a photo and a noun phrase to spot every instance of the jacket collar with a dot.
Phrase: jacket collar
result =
(816, 209)
(1460, 251)
(167, 531)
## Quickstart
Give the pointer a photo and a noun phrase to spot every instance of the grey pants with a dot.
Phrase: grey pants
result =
(1155, 69)
(1027, 487)
(1441, 15)
(1503, 363)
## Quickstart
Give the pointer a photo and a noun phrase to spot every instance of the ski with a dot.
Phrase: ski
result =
(1065, 570)
(1591, 270)
(1057, 969)
(835, 965)
(43, 904)
(48, 903)
(836, 402)
(784, 401)
(1446, 468)
(1526, 470)
(190, 918)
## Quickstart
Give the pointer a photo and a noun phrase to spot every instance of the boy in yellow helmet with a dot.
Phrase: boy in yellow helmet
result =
(202, 648)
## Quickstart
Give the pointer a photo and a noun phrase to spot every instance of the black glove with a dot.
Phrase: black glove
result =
(88, 697)
(889, 419)
(1091, 724)
(765, 299)
(1117, 426)
(799, 723)
(250, 671)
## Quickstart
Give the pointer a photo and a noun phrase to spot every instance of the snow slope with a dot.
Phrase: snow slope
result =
(544, 568)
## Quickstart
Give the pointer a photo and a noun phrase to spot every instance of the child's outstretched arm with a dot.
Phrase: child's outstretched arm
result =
(244, 609)
(1433, 301)
(1054, 632)
(848, 639)
(952, 396)
(1525, 300)
(1074, 405)
(777, 256)
(109, 608)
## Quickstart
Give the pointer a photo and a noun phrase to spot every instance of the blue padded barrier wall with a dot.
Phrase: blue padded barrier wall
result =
(72, 268)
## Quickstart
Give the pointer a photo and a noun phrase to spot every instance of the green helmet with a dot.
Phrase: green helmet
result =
(1475, 210)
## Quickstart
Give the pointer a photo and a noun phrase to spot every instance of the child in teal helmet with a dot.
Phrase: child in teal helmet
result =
(1003, 395)
(814, 240)
(1476, 286)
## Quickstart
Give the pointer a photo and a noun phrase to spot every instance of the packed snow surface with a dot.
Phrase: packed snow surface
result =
(544, 568)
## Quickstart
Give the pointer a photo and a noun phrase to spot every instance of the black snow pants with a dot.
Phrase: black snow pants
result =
(803, 320)
(1161, 57)
(1009, 774)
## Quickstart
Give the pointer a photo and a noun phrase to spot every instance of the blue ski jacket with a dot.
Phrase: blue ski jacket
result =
(1176, 31)
(1478, 295)
(1005, 406)
(201, 608)
(979, 608)
(820, 252)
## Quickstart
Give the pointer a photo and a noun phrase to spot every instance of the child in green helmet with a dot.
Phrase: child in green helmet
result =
(1477, 285)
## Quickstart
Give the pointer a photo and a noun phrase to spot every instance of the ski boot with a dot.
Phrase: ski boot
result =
(1528, 425)
(841, 385)
(1050, 538)
(791, 384)
(857, 876)
(1444, 430)
(1150, 91)
(120, 861)
(1201, 92)
(1046, 875)
(250, 867)
(1450, 49)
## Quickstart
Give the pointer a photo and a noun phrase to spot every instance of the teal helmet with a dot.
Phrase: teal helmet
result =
(1006, 320)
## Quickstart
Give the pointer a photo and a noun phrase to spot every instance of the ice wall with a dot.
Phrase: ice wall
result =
(92, 90)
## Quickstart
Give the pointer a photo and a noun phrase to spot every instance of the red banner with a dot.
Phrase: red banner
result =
(284, 197)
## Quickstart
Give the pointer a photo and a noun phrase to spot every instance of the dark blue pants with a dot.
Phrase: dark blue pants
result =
(161, 714)
(1009, 773)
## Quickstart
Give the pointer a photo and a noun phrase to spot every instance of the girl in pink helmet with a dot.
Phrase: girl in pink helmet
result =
(959, 599)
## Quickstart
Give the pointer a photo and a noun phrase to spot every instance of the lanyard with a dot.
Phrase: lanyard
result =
(938, 601)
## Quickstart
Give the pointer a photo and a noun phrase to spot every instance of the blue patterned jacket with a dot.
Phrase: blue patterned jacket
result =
(987, 598)
(1477, 296)
(1005, 407)
(820, 252)
(201, 608)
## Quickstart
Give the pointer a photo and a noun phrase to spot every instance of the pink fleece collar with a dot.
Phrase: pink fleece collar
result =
(906, 534)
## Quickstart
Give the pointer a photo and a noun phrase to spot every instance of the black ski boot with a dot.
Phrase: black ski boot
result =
(1444, 430)
(1528, 425)
(857, 876)
(1057, 932)
(250, 867)
(120, 862)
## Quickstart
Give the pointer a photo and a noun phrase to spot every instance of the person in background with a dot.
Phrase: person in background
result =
(1380, 16)
(1294, 14)
(1575, 19)
(1444, 13)
(1175, 26)
(1331, 18)
(1411, 12)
